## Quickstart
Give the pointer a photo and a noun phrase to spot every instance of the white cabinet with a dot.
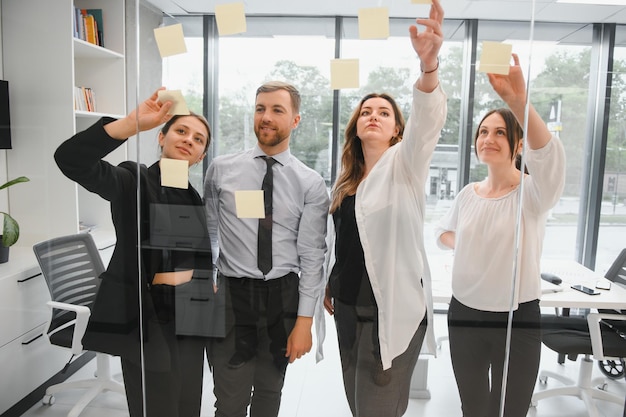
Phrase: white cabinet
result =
(27, 358)
(43, 63)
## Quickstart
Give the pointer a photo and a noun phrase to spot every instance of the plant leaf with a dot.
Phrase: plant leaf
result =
(14, 181)
(11, 230)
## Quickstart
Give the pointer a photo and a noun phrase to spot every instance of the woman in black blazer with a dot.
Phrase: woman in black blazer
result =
(134, 315)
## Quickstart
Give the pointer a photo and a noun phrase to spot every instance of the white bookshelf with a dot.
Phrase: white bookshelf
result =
(43, 63)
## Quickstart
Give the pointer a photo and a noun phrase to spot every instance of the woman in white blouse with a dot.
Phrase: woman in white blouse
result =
(481, 229)
(379, 287)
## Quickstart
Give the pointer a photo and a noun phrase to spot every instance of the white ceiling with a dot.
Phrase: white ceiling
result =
(545, 10)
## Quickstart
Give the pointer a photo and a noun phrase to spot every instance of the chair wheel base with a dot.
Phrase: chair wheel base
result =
(48, 399)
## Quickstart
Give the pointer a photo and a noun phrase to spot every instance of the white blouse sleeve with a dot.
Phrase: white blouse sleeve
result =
(546, 181)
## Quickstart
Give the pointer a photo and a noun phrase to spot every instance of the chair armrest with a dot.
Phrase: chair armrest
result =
(80, 323)
(593, 320)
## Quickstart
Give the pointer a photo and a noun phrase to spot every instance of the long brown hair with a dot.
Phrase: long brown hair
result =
(352, 160)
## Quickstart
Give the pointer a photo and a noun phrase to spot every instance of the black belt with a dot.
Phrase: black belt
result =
(259, 282)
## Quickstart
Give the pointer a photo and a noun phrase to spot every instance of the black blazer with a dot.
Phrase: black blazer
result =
(113, 325)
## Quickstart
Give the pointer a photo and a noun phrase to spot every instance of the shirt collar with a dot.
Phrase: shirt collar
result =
(282, 158)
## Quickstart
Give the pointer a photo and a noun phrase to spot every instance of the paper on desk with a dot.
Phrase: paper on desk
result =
(174, 173)
(179, 105)
(344, 73)
(170, 40)
(374, 23)
(250, 204)
(422, 1)
(495, 58)
(230, 18)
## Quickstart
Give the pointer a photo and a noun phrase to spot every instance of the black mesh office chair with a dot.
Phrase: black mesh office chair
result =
(598, 336)
(71, 266)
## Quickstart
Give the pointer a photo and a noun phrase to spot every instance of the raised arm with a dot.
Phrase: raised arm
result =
(512, 89)
(427, 45)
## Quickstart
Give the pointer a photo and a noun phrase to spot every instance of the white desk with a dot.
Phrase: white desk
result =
(571, 272)
(574, 273)
(562, 296)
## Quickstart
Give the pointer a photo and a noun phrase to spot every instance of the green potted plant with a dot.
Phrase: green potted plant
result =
(10, 229)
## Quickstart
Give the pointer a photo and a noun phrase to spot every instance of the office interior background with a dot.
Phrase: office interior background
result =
(574, 56)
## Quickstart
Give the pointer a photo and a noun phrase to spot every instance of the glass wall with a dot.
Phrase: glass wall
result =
(612, 215)
(557, 64)
(218, 77)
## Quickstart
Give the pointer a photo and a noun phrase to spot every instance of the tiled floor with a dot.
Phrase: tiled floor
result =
(314, 390)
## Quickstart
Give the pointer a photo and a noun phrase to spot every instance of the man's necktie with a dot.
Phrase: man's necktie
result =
(264, 249)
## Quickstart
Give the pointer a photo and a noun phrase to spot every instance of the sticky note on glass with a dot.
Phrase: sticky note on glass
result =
(422, 1)
(374, 23)
(174, 173)
(230, 18)
(170, 40)
(179, 105)
(250, 204)
(495, 58)
(344, 73)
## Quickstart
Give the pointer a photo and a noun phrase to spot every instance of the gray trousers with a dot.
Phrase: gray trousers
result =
(372, 392)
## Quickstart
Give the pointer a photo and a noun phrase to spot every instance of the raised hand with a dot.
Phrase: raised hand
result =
(151, 113)
(148, 115)
(512, 90)
(511, 87)
(428, 42)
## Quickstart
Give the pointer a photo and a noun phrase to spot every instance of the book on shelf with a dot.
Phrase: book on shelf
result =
(97, 15)
(84, 99)
(88, 25)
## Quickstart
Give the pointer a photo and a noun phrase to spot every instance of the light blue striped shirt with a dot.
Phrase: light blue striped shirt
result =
(300, 210)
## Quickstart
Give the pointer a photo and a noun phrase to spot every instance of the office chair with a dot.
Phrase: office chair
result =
(614, 368)
(617, 271)
(598, 336)
(71, 266)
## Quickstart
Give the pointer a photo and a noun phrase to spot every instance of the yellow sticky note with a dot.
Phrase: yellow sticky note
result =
(174, 173)
(230, 18)
(170, 40)
(250, 204)
(344, 73)
(374, 23)
(422, 1)
(179, 105)
(495, 58)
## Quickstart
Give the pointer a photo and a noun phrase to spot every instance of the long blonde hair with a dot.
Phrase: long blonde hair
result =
(352, 160)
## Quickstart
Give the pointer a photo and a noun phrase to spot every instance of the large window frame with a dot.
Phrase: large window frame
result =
(470, 32)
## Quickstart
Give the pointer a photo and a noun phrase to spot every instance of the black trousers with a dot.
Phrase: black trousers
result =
(477, 349)
(170, 376)
(176, 392)
(260, 316)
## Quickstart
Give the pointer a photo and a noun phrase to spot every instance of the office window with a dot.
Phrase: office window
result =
(392, 66)
(557, 64)
(296, 50)
(613, 209)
